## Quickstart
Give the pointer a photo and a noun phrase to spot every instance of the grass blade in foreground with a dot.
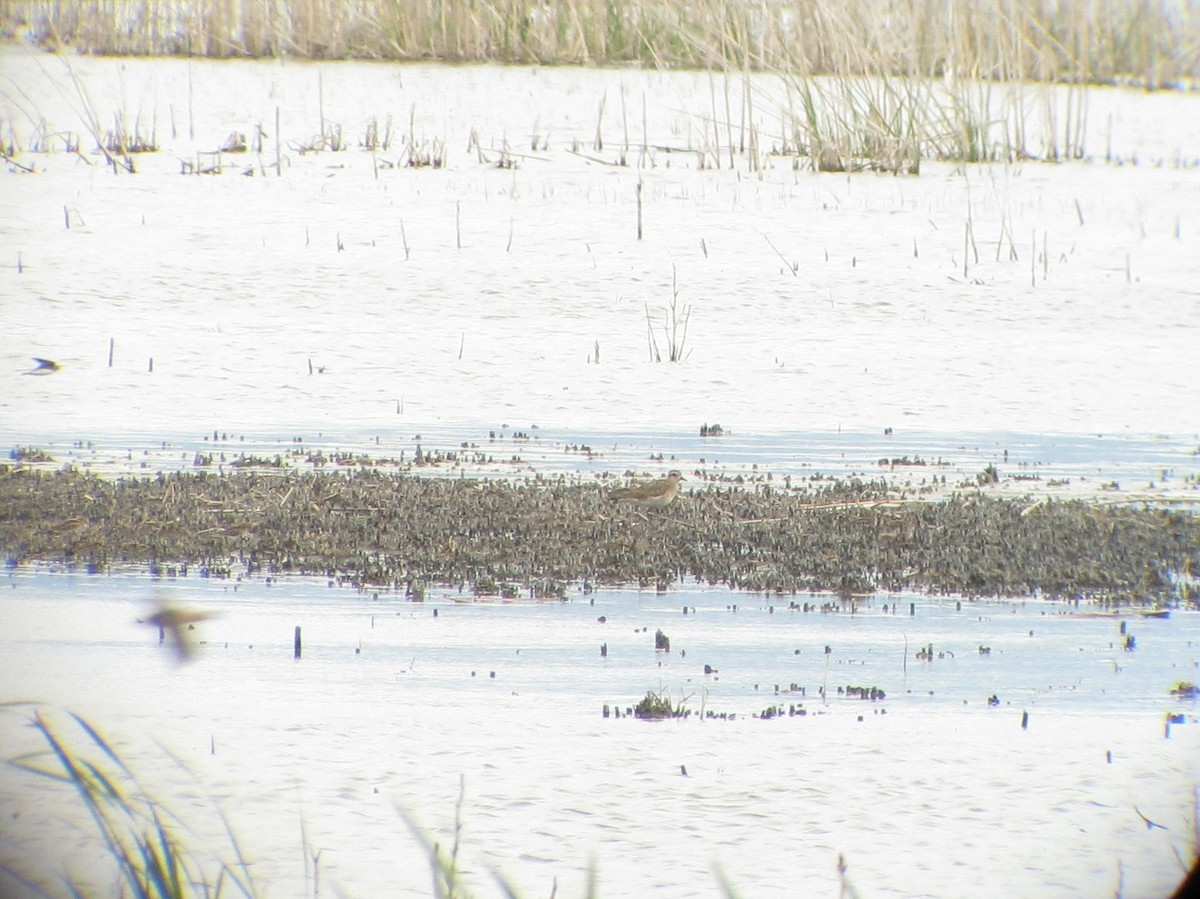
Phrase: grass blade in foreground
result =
(141, 836)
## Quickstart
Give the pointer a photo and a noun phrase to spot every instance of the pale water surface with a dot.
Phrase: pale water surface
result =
(927, 792)
(817, 301)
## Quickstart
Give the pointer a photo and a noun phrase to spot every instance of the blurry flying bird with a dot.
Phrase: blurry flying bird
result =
(43, 367)
(175, 622)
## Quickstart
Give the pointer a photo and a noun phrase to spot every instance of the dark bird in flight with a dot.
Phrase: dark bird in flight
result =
(173, 626)
(43, 367)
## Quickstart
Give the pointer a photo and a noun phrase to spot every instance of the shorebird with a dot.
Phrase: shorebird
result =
(43, 367)
(175, 622)
(654, 494)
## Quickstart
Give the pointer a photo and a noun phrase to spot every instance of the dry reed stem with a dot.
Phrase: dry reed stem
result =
(1076, 41)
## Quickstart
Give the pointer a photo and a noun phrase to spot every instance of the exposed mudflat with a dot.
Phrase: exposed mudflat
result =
(539, 536)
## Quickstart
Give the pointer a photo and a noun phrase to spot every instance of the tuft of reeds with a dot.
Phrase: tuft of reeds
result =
(121, 140)
(151, 859)
(675, 320)
(654, 706)
(424, 154)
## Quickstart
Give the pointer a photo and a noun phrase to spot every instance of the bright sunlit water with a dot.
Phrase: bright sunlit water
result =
(353, 292)
(392, 702)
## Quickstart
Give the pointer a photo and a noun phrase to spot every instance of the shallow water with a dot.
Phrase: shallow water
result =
(1158, 469)
(474, 294)
(928, 791)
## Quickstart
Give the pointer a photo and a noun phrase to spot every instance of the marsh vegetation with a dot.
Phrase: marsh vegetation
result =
(1083, 42)
(867, 85)
(540, 536)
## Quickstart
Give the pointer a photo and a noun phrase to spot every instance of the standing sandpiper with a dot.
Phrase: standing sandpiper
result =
(653, 495)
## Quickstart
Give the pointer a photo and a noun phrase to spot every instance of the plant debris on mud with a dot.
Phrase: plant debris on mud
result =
(393, 530)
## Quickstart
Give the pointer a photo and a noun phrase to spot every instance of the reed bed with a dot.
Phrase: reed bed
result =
(1075, 41)
(369, 527)
(837, 88)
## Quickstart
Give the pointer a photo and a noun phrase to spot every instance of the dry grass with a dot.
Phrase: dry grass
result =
(1075, 41)
(867, 85)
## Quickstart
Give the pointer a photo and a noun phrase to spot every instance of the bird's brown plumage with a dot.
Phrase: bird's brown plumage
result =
(653, 494)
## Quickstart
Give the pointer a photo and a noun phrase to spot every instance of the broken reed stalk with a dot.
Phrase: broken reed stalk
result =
(639, 208)
(677, 340)
(321, 100)
(645, 133)
(1033, 260)
(652, 344)
(712, 102)
(794, 268)
(728, 118)
(191, 108)
(755, 164)
(625, 128)
(87, 113)
(598, 142)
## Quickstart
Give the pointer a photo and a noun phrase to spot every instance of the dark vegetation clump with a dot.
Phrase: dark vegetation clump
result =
(657, 705)
(384, 529)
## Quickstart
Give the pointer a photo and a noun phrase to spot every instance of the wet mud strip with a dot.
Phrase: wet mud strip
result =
(536, 538)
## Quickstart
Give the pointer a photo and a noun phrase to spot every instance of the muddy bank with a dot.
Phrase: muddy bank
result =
(539, 536)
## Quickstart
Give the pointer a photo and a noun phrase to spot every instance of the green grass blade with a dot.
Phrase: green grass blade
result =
(139, 834)
(27, 763)
(243, 881)
(101, 742)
